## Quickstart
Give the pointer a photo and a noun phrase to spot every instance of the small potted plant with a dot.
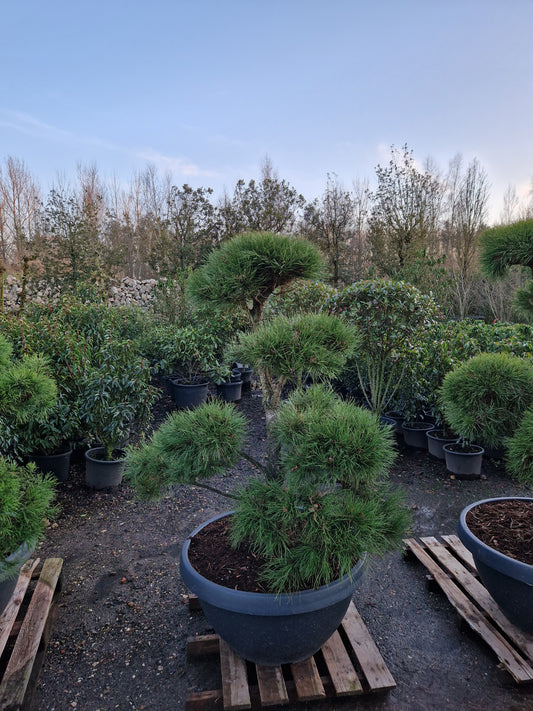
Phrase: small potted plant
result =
(483, 400)
(115, 395)
(229, 383)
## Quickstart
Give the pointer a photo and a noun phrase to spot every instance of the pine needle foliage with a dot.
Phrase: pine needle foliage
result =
(323, 437)
(291, 348)
(189, 446)
(484, 398)
(247, 269)
(505, 246)
(519, 458)
(26, 501)
(26, 390)
(310, 538)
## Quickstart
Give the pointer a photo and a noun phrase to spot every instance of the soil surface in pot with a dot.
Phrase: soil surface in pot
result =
(212, 555)
(506, 526)
(120, 633)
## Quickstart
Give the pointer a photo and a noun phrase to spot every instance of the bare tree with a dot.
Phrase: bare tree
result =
(405, 211)
(329, 223)
(359, 245)
(19, 210)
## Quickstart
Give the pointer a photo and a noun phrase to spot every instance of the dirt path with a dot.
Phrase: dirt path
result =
(122, 624)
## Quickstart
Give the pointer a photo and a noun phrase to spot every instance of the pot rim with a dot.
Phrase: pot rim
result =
(490, 556)
(272, 604)
(89, 455)
(465, 454)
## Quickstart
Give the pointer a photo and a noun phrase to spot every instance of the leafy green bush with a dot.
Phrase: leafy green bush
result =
(390, 317)
(484, 398)
(519, 458)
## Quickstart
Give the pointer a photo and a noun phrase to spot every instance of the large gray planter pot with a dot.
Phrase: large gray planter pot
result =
(509, 581)
(13, 563)
(101, 473)
(271, 629)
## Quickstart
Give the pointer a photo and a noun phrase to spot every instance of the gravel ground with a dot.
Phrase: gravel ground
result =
(121, 628)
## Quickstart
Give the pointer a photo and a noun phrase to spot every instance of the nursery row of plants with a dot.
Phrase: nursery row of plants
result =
(77, 373)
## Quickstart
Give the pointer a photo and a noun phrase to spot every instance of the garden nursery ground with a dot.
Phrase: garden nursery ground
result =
(119, 639)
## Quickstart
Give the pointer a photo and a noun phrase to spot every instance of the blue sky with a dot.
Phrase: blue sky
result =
(207, 88)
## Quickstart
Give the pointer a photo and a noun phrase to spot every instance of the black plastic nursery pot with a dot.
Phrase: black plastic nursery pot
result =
(464, 461)
(57, 464)
(230, 392)
(398, 418)
(271, 629)
(188, 396)
(436, 441)
(414, 434)
(509, 581)
(102, 473)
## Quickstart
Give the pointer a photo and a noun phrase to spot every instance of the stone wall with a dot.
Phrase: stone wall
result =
(126, 292)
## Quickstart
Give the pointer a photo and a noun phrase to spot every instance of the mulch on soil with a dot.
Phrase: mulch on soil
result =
(506, 526)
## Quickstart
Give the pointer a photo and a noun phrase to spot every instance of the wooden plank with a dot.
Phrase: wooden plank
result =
(203, 644)
(235, 691)
(9, 615)
(204, 700)
(340, 667)
(272, 689)
(307, 680)
(460, 550)
(20, 665)
(374, 668)
(480, 594)
(515, 664)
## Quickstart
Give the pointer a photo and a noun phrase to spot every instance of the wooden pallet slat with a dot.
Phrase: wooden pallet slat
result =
(307, 680)
(26, 657)
(340, 667)
(372, 663)
(272, 687)
(235, 691)
(9, 615)
(458, 584)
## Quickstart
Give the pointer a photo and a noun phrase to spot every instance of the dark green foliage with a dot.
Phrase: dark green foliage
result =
(519, 459)
(247, 269)
(25, 503)
(484, 398)
(190, 445)
(311, 538)
(390, 316)
(321, 435)
(26, 389)
(505, 246)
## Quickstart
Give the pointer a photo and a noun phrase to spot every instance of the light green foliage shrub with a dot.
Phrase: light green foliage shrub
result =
(299, 297)
(390, 317)
(519, 458)
(484, 398)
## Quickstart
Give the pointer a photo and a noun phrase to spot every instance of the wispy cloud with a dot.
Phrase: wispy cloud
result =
(31, 126)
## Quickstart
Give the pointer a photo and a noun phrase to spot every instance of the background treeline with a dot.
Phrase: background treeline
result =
(417, 224)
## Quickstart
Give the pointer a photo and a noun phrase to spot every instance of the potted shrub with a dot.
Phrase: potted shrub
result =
(310, 527)
(323, 506)
(498, 534)
(115, 396)
(26, 499)
(229, 383)
(483, 400)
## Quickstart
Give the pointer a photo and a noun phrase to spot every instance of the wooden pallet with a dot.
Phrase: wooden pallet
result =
(25, 628)
(348, 664)
(452, 568)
